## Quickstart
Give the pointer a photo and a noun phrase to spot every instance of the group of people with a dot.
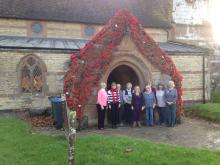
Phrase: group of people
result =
(125, 106)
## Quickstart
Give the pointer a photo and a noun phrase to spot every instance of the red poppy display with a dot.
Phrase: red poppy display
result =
(87, 65)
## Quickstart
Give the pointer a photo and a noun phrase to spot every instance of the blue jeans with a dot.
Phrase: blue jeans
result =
(149, 121)
(171, 114)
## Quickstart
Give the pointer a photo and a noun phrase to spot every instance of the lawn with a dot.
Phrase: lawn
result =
(19, 147)
(209, 111)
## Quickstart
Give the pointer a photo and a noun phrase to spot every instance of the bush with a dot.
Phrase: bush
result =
(215, 97)
(209, 111)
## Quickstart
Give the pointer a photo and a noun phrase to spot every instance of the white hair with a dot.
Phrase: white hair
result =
(103, 85)
(171, 83)
(129, 84)
(148, 87)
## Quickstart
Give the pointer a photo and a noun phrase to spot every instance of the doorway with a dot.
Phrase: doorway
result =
(123, 74)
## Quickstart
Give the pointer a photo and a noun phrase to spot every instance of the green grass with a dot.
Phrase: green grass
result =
(215, 97)
(19, 147)
(209, 111)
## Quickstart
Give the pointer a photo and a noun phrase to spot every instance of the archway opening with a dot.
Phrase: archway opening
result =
(123, 74)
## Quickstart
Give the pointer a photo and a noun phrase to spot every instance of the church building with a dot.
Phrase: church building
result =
(38, 37)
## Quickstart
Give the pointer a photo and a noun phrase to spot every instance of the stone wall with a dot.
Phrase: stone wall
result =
(191, 23)
(189, 65)
(195, 12)
(192, 26)
(51, 29)
(10, 97)
(200, 35)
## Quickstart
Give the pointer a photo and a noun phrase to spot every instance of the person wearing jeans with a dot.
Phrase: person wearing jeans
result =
(149, 104)
(101, 105)
(170, 99)
(153, 89)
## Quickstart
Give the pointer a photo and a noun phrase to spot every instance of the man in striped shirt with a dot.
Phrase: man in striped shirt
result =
(114, 103)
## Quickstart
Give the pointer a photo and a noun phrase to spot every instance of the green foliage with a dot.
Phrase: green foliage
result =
(19, 147)
(209, 111)
(215, 97)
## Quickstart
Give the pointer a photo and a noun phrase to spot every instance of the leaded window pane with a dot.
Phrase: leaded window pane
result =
(37, 79)
(31, 61)
(26, 80)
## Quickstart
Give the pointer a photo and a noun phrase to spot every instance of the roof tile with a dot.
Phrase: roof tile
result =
(151, 13)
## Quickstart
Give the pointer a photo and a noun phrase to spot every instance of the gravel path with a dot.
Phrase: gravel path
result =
(192, 133)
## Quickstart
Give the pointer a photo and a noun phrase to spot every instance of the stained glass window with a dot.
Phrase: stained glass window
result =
(32, 75)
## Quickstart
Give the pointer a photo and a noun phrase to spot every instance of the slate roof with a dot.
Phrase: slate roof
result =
(175, 47)
(15, 42)
(151, 13)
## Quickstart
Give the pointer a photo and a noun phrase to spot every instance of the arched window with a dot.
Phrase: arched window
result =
(32, 75)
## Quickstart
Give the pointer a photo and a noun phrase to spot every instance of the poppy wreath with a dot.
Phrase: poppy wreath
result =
(93, 60)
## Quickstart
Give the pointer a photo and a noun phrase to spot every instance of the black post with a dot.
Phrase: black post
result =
(203, 78)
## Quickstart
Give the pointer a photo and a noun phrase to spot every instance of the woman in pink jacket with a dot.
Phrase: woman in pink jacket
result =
(101, 105)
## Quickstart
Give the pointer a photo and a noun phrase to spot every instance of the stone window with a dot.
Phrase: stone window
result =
(32, 75)
(89, 31)
(36, 28)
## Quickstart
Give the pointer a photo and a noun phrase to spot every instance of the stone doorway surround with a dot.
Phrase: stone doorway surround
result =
(126, 54)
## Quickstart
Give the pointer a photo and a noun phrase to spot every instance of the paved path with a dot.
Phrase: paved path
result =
(192, 133)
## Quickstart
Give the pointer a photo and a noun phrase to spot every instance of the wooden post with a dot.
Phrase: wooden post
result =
(70, 131)
(71, 138)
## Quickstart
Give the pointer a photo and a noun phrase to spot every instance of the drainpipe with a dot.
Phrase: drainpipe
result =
(203, 79)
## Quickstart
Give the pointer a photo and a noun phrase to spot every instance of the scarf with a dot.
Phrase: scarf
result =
(114, 98)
